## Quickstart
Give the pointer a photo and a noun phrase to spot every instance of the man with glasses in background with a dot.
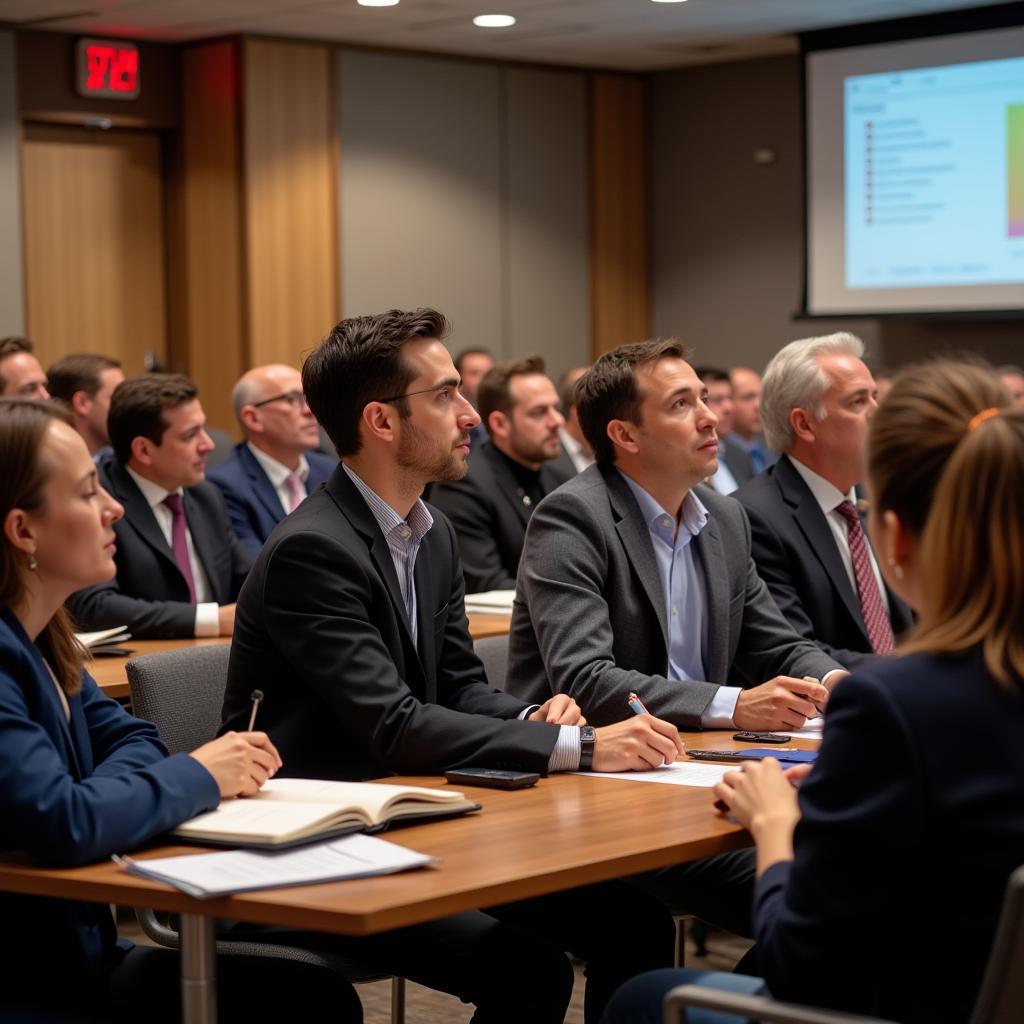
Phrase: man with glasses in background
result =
(270, 473)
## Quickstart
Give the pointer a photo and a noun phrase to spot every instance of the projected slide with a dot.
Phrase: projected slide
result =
(934, 176)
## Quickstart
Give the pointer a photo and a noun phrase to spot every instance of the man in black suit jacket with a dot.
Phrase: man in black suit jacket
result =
(179, 565)
(816, 401)
(509, 475)
(352, 624)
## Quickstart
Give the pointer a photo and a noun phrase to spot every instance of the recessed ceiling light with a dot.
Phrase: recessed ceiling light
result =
(377, 3)
(494, 21)
(659, 1)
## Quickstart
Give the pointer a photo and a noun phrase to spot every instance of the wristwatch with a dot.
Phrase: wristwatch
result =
(588, 739)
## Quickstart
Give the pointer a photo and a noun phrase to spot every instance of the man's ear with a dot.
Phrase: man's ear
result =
(250, 419)
(802, 423)
(81, 403)
(622, 434)
(379, 420)
(18, 531)
(499, 426)
(142, 449)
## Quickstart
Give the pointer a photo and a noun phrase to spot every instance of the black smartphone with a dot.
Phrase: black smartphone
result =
(716, 755)
(760, 737)
(492, 778)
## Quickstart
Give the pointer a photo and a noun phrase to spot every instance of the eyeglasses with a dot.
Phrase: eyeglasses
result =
(422, 391)
(296, 399)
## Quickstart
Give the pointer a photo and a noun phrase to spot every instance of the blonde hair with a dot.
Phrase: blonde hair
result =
(955, 480)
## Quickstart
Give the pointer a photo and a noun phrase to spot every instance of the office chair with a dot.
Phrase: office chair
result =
(181, 692)
(493, 652)
(1000, 998)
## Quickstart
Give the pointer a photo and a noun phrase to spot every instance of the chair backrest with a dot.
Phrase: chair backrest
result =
(181, 692)
(1001, 998)
(493, 652)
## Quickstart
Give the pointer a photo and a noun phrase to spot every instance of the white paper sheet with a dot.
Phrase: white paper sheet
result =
(679, 773)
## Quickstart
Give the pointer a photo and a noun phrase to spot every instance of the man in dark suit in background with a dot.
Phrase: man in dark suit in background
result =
(808, 541)
(509, 475)
(746, 433)
(352, 624)
(471, 364)
(270, 473)
(85, 383)
(735, 466)
(21, 376)
(179, 565)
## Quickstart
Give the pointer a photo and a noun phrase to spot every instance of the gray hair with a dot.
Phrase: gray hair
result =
(793, 379)
(244, 393)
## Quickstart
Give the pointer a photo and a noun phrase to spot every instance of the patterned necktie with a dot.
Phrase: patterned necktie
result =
(871, 606)
(296, 492)
(179, 543)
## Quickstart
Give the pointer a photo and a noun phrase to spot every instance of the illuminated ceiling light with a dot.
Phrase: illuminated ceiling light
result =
(494, 21)
(377, 3)
(668, 1)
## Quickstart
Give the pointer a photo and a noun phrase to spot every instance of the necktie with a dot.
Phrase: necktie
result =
(757, 458)
(179, 543)
(871, 606)
(296, 492)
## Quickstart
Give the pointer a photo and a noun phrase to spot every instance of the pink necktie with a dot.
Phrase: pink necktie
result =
(179, 543)
(296, 492)
(871, 606)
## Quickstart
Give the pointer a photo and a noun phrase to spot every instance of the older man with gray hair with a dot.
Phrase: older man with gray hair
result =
(270, 473)
(808, 540)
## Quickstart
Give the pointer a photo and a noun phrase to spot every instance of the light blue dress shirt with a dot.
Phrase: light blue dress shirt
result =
(684, 591)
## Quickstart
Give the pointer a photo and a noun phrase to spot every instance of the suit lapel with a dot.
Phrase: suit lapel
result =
(712, 555)
(137, 513)
(635, 535)
(507, 485)
(423, 577)
(261, 485)
(206, 545)
(812, 523)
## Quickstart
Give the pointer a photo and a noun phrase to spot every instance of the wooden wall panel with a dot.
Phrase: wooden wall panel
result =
(94, 243)
(619, 285)
(12, 310)
(208, 341)
(291, 216)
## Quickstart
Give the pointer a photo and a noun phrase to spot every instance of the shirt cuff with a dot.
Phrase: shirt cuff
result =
(828, 675)
(527, 711)
(718, 714)
(566, 755)
(207, 621)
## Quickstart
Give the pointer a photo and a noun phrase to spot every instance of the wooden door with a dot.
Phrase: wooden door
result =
(94, 243)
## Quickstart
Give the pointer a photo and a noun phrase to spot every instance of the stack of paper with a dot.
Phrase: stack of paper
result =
(206, 875)
(103, 640)
(491, 602)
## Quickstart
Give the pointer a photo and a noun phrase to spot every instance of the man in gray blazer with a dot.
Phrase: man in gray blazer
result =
(636, 579)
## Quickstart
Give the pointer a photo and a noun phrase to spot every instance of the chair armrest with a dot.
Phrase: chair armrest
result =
(156, 929)
(755, 1008)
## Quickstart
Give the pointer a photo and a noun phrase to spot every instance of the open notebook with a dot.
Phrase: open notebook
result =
(288, 812)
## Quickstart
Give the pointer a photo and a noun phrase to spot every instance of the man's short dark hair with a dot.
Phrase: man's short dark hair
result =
(79, 372)
(495, 394)
(608, 390)
(461, 357)
(359, 362)
(137, 409)
(11, 346)
(712, 375)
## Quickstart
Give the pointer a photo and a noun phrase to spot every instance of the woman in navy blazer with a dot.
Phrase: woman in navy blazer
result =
(80, 779)
(913, 816)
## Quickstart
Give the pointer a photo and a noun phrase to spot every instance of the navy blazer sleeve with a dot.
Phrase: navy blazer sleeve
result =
(240, 507)
(135, 791)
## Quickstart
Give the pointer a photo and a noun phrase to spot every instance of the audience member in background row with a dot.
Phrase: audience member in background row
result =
(179, 564)
(883, 382)
(807, 538)
(84, 383)
(636, 579)
(492, 504)
(894, 812)
(471, 364)
(21, 376)
(275, 467)
(735, 466)
(746, 417)
(80, 779)
(574, 444)
(353, 625)
(1013, 378)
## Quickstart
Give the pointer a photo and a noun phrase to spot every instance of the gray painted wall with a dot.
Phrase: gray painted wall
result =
(463, 186)
(727, 232)
(12, 310)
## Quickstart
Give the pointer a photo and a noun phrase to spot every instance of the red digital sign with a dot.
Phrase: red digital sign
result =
(107, 68)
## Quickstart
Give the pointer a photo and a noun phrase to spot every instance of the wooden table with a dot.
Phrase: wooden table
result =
(566, 831)
(110, 674)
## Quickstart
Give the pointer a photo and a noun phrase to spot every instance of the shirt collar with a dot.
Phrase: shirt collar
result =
(278, 472)
(152, 492)
(826, 494)
(661, 523)
(418, 522)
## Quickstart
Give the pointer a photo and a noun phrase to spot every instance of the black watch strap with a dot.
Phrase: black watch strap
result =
(588, 740)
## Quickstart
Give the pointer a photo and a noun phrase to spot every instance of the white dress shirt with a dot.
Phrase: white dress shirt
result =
(580, 459)
(207, 623)
(278, 473)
